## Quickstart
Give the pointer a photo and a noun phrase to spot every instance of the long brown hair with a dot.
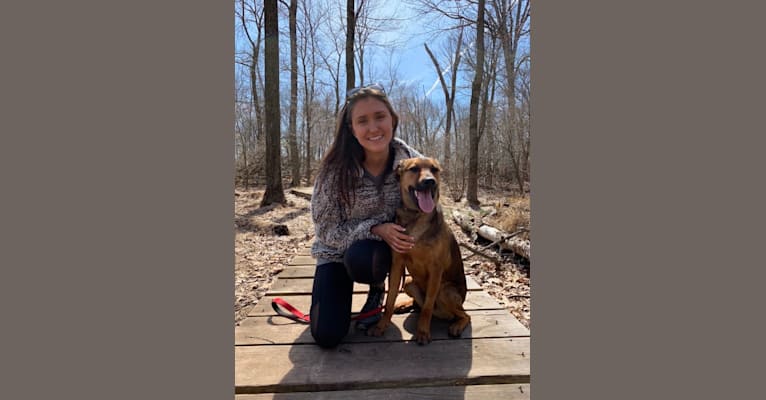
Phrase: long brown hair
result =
(345, 156)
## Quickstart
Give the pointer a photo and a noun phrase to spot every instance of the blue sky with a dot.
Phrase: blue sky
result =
(414, 65)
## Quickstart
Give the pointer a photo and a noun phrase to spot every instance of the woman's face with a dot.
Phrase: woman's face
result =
(372, 125)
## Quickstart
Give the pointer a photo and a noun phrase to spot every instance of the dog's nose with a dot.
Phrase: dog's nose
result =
(428, 182)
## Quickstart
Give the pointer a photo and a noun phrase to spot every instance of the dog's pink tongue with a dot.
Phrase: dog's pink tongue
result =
(425, 201)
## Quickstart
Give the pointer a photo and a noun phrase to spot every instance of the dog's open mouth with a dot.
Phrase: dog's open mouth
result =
(424, 198)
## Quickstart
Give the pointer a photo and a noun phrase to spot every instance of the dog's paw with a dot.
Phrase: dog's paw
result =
(376, 330)
(456, 329)
(423, 337)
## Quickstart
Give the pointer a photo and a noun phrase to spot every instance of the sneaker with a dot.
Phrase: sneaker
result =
(374, 300)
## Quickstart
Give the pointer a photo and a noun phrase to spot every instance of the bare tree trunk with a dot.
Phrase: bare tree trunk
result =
(257, 127)
(307, 100)
(310, 64)
(274, 192)
(292, 134)
(350, 26)
(453, 78)
(360, 53)
(511, 30)
(473, 117)
(527, 114)
(448, 100)
(254, 92)
(308, 145)
(244, 132)
(334, 65)
(487, 111)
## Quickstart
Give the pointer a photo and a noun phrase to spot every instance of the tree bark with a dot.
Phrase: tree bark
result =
(350, 26)
(310, 64)
(274, 192)
(473, 118)
(488, 111)
(510, 30)
(292, 134)
(451, 106)
(448, 102)
(257, 126)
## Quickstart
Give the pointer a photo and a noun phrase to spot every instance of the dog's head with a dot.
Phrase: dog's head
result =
(419, 183)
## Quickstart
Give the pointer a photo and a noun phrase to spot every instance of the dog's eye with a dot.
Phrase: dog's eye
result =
(434, 170)
(414, 169)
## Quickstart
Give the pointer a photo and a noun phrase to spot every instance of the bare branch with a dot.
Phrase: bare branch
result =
(495, 260)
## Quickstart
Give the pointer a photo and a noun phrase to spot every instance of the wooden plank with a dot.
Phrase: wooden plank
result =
(302, 259)
(301, 368)
(310, 368)
(304, 251)
(304, 286)
(279, 330)
(303, 271)
(300, 271)
(517, 391)
(474, 300)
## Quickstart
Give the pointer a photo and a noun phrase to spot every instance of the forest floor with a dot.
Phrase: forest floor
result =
(260, 253)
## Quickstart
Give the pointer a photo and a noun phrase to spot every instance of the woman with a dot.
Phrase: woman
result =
(355, 199)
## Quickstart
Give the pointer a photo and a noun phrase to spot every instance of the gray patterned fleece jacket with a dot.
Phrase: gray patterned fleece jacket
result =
(336, 229)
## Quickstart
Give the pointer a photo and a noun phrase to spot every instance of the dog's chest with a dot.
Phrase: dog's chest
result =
(417, 231)
(429, 256)
(417, 269)
(431, 253)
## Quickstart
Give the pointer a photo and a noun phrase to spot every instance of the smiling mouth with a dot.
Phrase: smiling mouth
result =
(424, 198)
(375, 138)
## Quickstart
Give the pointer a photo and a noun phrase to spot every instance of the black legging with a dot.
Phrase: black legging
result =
(366, 261)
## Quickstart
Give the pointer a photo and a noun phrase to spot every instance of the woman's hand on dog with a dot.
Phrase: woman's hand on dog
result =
(395, 235)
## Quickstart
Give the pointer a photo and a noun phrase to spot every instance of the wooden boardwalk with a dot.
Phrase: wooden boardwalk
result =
(276, 358)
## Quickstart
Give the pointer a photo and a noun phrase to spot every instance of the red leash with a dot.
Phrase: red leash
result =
(295, 315)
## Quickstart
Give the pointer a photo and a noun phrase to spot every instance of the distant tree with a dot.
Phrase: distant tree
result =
(274, 192)
(509, 22)
(292, 134)
(350, 27)
(243, 133)
(332, 58)
(250, 149)
(488, 111)
(449, 96)
(309, 30)
(372, 18)
(473, 123)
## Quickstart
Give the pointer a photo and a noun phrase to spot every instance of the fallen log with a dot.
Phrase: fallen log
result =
(466, 223)
(504, 240)
(305, 193)
(494, 259)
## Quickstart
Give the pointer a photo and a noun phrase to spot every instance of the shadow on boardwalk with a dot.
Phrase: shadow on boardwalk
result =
(389, 367)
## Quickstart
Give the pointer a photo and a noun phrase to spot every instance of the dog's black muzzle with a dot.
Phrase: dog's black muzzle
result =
(427, 183)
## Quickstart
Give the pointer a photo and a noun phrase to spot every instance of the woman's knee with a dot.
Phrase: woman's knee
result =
(368, 261)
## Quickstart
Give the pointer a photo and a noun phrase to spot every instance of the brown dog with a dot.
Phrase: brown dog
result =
(437, 280)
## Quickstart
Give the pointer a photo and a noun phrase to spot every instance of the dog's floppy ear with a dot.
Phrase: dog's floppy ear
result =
(436, 164)
(399, 169)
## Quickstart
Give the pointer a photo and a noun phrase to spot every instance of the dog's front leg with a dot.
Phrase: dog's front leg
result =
(423, 335)
(394, 280)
